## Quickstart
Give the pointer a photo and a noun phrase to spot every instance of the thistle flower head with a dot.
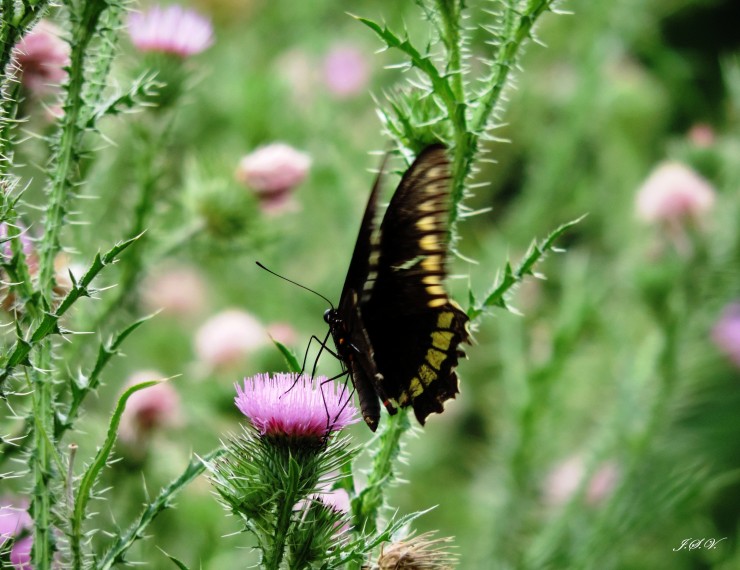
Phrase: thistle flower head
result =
(172, 30)
(674, 194)
(292, 407)
(346, 71)
(42, 57)
(178, 291)
(148, 409)
(418, 553)
(273, 172)
(14, 523)
(26, 242)
(726, 332)
(227, 337)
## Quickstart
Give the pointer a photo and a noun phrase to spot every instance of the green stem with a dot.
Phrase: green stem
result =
(367, 503)
(505, 58)
(274, 554)
(64, 160)
(67, 152)
(41, 464)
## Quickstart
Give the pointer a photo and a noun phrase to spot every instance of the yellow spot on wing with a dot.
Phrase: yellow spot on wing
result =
(435, 358)
(442, 339)
(427, 375)
(444, 320)
(431, 280)
(427, 223)
(431, 263)
(435, 290)
(438, 302)
(429, 243)
(434, 172)
(415, 388)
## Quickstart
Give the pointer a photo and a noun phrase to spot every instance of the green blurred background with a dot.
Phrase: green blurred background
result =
(574, 388)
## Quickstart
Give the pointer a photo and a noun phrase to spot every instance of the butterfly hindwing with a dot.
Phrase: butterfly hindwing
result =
(396, 330)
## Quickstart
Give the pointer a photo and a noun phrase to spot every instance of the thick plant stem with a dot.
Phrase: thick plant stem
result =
(61, 190)
(42, 465)
(366, 505)
(274, 555)
(67, 151)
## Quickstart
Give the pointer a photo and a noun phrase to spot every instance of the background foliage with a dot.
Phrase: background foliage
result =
(610, 366)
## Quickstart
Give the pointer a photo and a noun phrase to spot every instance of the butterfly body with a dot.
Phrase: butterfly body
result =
(395, 329)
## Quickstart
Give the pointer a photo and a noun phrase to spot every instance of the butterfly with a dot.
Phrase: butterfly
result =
(395, 329)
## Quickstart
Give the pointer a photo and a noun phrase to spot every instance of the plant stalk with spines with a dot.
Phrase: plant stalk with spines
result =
(84, 18)
(461, 117)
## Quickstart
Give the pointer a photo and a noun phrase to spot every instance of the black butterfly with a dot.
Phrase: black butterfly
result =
(395, 329)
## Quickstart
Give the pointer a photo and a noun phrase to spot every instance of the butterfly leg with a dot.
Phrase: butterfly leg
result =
(305, 358)
(329, 419)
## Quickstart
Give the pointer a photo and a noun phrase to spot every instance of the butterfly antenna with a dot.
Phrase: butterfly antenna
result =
(294, 283)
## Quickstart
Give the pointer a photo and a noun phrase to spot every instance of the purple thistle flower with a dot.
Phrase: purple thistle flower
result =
(171, 29)
(726, 332)
(14, 521)
(288, 406)
(42, 57)
(26, 243)
(346, 71)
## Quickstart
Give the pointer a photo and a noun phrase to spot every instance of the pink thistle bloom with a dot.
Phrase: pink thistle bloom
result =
(42, 57)
(673, 194)
(346, 71)
(178, 291)
(702, 135)
(14, 521)
(726, 333)
(171, 29)
(284, 333)
(602, 484)
(567, 477)
(26, 242)
(289, 407)
(149, 409)
(273, 171)
(226, 338)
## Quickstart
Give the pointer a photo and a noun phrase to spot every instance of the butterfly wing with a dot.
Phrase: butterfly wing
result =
(346, 322)
(413, 326)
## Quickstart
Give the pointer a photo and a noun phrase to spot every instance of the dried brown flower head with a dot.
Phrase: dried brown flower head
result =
(418, 553)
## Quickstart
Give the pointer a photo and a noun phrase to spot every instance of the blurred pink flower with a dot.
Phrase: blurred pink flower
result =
(337, 499)
(567, 477)
(602, 483)
(42, 57)
(674, 194)
(563, 480)
(282, 332)
(14, 521)
(702, 135)
(273, 171)
(226, 338)
(346, 71)
(177, 291)
(298, 72)
(148, 409)
(726, 332)
(171, 29)
(6, 250)
(288, 407)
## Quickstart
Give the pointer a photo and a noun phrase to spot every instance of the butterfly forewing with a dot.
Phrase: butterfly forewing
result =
(413, 326)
